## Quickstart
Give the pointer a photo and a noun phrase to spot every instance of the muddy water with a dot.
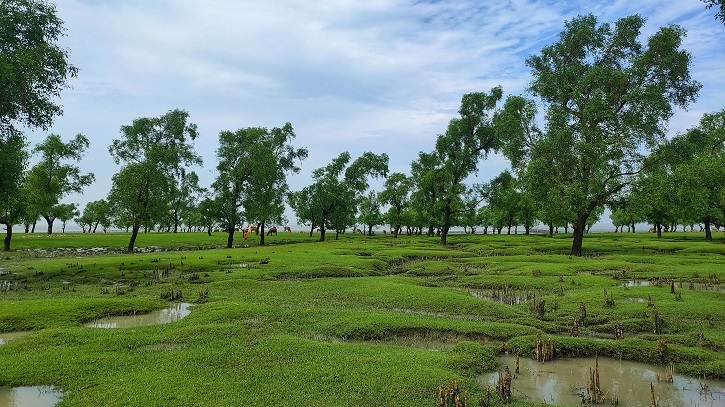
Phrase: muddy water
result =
(9, 336)
(35, 396)
(563, 381)
(173, 313)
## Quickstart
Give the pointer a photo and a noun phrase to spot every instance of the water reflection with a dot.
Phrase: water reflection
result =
(35, 396)
(562, 381)
(164, 316)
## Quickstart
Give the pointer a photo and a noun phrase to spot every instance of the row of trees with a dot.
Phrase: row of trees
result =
(606, 99)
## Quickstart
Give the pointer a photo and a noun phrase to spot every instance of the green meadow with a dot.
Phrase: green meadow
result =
(359, 321)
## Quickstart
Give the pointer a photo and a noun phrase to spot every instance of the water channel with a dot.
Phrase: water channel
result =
(6, 337)
(562, 382)
(173, 313)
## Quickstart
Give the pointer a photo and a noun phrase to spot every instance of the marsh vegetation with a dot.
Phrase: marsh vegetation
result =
(357, 321)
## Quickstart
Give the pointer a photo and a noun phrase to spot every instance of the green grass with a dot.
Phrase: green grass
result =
(298, 322)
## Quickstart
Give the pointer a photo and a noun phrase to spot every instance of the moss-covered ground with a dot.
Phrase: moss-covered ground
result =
(363, 321)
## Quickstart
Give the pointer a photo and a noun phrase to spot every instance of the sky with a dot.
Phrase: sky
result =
(377, 75)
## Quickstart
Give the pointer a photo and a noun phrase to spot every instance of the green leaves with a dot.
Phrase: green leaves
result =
(35, 67)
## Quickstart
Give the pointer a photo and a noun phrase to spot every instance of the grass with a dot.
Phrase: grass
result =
(299, 322)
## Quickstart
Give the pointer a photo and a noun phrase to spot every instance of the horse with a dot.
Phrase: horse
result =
(272, 231)
(287, 229)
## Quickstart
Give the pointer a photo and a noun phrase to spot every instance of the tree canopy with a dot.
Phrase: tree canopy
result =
(607, 99)
(34, 66)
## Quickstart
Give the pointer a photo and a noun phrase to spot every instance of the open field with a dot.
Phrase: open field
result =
(347, 322)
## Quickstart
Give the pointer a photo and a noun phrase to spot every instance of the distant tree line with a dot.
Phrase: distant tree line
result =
(599, 142)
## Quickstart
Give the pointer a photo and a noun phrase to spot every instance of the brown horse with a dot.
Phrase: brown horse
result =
(272, 231)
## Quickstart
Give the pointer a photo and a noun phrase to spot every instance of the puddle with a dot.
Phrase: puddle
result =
(171, 314)
(563, 381)
(35, 396)
(503, 296)
(9, 336)
(638, 283)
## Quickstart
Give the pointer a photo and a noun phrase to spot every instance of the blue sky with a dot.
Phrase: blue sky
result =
(380, 76)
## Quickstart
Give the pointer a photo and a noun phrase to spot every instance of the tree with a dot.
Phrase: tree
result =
(369, 211)
(183, 197)
(52, 179)
(13, 160)
(34, 66)
(504, 200)
(607, 98)
(395, 194)
(34, 70)
(235, 165)
(719, 5)
(426, 198)
(153, 152)
(274, 158)
(699, 173)
(467, 139)
(95, 213)
(66, 212)
(330, 201)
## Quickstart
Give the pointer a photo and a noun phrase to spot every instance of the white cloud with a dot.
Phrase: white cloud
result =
(384, 76)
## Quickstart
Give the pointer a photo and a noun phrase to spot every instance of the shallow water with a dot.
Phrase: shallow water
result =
(164, 316)
(35, 396)
(9, 336)
(562, 381)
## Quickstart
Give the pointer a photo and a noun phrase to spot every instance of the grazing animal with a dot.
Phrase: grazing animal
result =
(253, 229)
(651, 230)
(358, 231)
(287, 229)
(272, 231)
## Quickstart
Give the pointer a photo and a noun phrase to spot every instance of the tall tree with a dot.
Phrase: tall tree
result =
(395, 194)
(467, 139)
(34, 69)
(504, 200)
(274, 159)
(330, 200)
(369, 211)
(607, 99)
(153, 152)
(235, 165)
(183, 197)
(51, 179)
(700, 171)
(34, 66)
(427, 197)
(13, 160)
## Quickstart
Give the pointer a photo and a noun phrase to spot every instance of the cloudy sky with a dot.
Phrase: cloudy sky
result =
(373, 75)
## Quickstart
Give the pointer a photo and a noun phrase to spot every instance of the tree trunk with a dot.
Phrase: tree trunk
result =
(551, 230)
(322, 234)
(579, 228)
(527, 229)
(230, 238)
(32, 230)
(134, 234)
(485, 230)
(446, 224)
(370, 230)
(658, 227)
(208, 230)
(633, 231)
(312, 228)
(8, 236)
(337, 233)
(708, 232)
(50, 221)
(430, 230)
